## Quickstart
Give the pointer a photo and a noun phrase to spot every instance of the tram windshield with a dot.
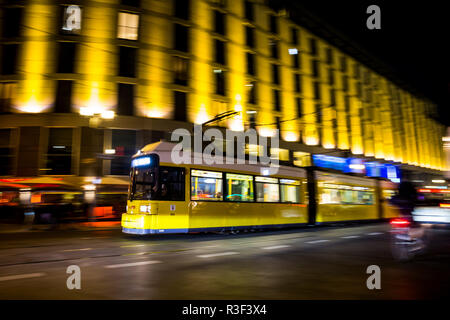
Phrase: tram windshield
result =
(157, 183)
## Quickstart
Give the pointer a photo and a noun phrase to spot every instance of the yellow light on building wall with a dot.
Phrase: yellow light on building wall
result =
(155, 114)
(328, 145)
(266, 132)
(290, 136)
(35, 91)
(108, 114)
(202, 115)
(86, 111)
(311, 141)
(236, 123)
(32, 106)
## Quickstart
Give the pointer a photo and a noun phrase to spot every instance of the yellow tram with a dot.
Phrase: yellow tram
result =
(178, 198)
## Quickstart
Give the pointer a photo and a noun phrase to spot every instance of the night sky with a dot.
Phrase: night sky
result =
(413, 40)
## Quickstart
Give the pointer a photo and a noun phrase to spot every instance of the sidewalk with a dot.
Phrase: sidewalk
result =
(75, 226)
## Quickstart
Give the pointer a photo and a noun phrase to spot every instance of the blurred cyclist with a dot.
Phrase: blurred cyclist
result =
(406, 201)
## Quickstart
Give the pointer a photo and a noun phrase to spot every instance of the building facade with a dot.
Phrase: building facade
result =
(85, 84)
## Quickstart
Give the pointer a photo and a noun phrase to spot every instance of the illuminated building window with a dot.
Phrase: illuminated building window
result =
(273, 23)
(366, 78)
(127, 61)
(275, 74)
(181, 70)
(356, 71)
(299, 104)
(330, 76)
(252, 120)
(296, 60)
(181, 9)
(251, 92)
(251, 66)
(248, 10)
(302, 159)
(181, 38)
(219, 22)
(280, 154)
(125, 103)
(368, 95)
(333, 97)
(219, 51)
(131, 3)
(6, 94)
(180, 105)
(318, 113)
(297, 83)
(294, 36)
(254, 150)
(348, 117)
(347, 104)
(274, 48)
(329, 55)
(315, 68)
(278, 123)
(63, 100)
(9, 58)
(358, 89)
(276, 100)
(250, 37)
(345, 83)
(12, 18)
(71, 16)
(220, 82)
(66, 57)
(124, 142)
(335, 129)
(316, 90)
(128, 26)
(6, 152)
(343, 64)
(313, 46)
(59, 152)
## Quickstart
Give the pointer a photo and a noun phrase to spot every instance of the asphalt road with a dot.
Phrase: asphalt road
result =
(311, 263)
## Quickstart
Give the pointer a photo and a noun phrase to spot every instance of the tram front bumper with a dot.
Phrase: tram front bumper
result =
(142, 224)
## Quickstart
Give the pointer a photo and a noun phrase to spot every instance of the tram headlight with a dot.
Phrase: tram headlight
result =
(145, 208)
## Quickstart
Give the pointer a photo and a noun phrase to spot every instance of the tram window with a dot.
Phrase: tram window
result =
(344, 194)
(290, 190)
(206, 185)
(143, 184)
(148, 185)
(388, 193)
(347, 196)
(239, 187)
(365, 197)
(267, 189)
(171, 183)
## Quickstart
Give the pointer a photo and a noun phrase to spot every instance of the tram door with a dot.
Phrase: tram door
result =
(312, 192)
